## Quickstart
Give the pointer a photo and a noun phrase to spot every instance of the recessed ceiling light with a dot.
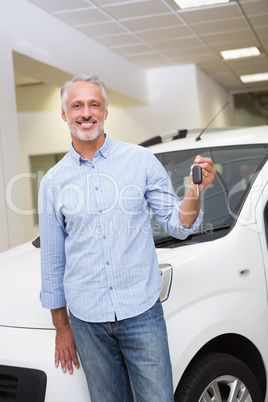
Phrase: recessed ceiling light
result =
(254, 77)
(239, 53)
(197, 3)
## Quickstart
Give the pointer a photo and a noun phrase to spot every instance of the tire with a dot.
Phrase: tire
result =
(218, 377)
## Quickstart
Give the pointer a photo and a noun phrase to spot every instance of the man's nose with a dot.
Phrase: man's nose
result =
(86, 112)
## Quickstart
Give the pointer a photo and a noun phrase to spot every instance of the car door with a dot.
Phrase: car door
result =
(262, 217)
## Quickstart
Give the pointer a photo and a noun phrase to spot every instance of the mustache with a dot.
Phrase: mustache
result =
(88, 120)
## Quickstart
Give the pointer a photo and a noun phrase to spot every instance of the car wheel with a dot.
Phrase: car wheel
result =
(218, 377)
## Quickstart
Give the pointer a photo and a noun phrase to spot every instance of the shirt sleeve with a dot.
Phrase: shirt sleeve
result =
(163, 201)
(52, 238)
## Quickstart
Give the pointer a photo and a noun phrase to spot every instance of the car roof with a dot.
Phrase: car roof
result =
(212, 138)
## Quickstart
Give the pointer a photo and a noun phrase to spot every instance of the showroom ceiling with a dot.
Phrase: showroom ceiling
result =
(157, 33)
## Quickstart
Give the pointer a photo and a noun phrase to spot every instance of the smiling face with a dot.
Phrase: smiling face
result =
(85, 111)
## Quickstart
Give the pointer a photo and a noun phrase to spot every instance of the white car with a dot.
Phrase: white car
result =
(214, 286)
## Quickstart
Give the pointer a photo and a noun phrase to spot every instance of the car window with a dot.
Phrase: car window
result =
(237, 168)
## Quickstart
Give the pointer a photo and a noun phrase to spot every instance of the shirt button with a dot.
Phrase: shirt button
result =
(104, 237)
(111, 288)
(93, 167)
(96, 188)
(107, 263)
(100, 211)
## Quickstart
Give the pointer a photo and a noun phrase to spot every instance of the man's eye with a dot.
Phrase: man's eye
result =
(75, 106)
(95, 104)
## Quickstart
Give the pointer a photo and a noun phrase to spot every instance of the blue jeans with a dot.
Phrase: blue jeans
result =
(123, 355)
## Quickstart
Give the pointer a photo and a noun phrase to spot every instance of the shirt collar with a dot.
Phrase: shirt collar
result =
(103, 151)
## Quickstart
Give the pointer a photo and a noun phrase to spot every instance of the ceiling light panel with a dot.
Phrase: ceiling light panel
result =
(254, 77)
(240, 53)
(198, 3)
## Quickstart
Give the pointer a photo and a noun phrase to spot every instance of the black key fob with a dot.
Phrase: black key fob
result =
(197, 174)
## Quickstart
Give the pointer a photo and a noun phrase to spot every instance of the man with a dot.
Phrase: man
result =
(98, 255)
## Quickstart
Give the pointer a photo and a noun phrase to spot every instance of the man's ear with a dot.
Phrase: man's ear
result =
(106, 114)
(63, 115)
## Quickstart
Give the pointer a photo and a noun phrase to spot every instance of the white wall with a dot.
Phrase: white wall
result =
(12, 224)
(179, 97)
(172, 105)
(211, 99)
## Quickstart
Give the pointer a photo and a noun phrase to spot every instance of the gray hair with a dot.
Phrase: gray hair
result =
(84, 77)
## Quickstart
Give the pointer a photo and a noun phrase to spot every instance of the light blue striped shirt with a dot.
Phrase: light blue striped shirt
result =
(97, 249)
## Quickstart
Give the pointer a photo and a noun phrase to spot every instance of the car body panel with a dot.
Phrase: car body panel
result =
(34, 348)
(20, 287)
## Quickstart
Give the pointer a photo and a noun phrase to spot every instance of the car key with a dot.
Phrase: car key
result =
(197, 177)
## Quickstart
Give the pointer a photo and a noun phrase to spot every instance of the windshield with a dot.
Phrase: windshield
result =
(236, 167)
